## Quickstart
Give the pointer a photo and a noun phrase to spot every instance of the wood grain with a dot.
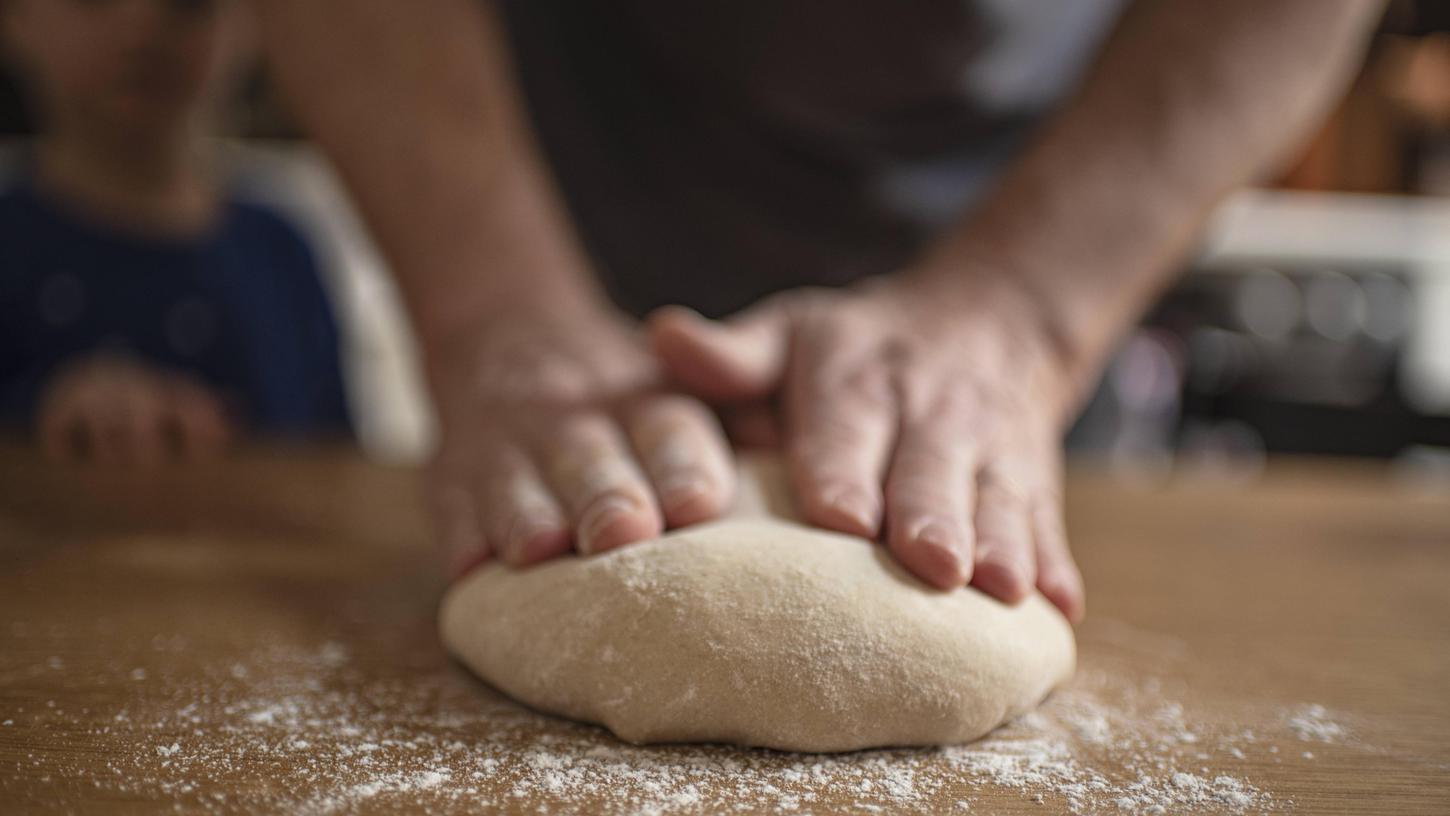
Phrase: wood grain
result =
(257, 636)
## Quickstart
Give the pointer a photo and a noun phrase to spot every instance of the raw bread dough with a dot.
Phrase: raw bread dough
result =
(759, 631)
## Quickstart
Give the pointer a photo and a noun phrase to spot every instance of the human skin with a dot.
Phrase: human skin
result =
(927, 405)
(114, 410)
(126, 92)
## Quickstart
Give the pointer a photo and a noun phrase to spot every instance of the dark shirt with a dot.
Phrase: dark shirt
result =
(239, 308)
(714, 151)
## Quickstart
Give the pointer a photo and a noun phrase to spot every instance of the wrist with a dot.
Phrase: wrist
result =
(483, 309)
(499, 340)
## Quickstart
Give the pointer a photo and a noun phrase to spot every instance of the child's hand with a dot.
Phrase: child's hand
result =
(116, 410)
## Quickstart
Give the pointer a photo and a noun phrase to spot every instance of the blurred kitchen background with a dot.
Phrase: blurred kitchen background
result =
(1316, 317)
(1314, 320)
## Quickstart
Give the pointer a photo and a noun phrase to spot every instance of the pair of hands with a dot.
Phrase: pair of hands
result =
(934, 419)
(929, 419)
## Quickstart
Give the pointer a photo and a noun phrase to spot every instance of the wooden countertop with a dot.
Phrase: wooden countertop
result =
(257, 636)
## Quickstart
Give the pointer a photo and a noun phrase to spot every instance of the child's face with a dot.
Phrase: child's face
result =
(137, 65)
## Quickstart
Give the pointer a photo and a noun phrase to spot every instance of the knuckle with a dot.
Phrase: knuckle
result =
(865, 387)
(1002, 547)
(618, 495)
(897, 352)
(940, 395)
(582, 450)
(679, 424)
(671, 408)
(609, 503)
(673, 457)
(1003, 487)
(599, 475)
(1047, 519)
(921, 487)
(918, 507)
(931, 461)
(525, 497)
(912, 515)
(835, 433)
(1002, 499)
(958, 400)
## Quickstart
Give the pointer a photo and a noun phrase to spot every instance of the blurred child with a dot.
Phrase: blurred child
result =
(145, 313)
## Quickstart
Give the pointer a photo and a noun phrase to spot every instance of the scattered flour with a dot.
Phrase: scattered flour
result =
(1312, 723)
(309, 732)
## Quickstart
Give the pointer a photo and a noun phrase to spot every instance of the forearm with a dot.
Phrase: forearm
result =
(415, 104)
(1189, 100)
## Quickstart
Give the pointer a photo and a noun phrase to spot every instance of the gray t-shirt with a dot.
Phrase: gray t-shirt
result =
(714, 151)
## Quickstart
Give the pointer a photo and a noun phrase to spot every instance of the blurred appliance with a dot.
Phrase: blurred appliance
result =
(1309, 323)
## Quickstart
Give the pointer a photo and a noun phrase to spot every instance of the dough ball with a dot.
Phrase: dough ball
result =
(759, 631)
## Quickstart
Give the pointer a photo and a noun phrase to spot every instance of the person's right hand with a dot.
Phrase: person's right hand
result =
(556, 435)
(923, 409)
(112, 409)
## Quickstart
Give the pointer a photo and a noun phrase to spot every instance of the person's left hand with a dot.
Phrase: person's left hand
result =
(902, 403)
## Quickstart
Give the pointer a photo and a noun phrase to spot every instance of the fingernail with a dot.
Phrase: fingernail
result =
(523, 531)
(1012, 583)
(938, 538)
(934, 535)
(1006, 575)
(682, 488)
(853, 504)
(598, 518)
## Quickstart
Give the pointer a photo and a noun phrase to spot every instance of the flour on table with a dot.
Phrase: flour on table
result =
(308, 732)
(1312, 723)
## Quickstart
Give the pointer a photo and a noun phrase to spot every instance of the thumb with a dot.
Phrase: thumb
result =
(741, 358)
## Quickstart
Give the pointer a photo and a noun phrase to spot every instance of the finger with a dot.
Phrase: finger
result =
(521, 520)
(63, 432)
(929, 491)
(840, 424)
(1005, 554)
(593, 474)
(201, 429)
(106, 401)
(1058, 578)
(456, 525)
(725, 361)
(685, 454)
(108, 427)
(144, 414)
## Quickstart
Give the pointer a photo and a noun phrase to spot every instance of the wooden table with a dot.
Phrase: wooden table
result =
(257, 636)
